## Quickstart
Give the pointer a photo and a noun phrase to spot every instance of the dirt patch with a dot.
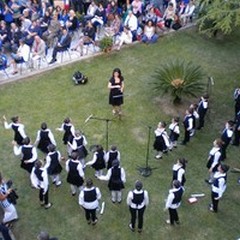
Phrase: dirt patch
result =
(165, 103)
(139, 135)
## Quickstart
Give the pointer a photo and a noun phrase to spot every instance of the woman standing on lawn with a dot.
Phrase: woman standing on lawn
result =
(17, 127)
(116, 87)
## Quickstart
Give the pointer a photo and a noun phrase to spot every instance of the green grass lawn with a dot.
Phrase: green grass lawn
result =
(52, 96)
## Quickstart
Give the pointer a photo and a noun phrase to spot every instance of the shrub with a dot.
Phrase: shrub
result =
(179, 78)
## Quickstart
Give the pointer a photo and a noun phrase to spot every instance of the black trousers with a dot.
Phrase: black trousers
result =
(5, 232)
(236, 140)
(90, 214)
(186, 136)
(137, 213)
(214, 201)
(173, 215)
(56, 50)
(43, 197)
(201, 120)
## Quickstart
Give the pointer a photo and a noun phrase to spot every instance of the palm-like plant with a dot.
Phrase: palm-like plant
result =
(179, 78)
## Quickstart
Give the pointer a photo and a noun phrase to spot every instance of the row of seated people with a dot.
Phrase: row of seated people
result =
(123, 30)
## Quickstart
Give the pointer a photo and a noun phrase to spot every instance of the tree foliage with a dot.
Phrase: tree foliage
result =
(219, 15)
(179, 78)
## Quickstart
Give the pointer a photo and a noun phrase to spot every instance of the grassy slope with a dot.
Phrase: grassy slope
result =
(51, 97)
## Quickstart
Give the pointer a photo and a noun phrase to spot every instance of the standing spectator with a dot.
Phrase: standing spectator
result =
(17, 127)
(22, 55)
(98, 161)
(111, 155)
(137, 200)
(44, 138)
(202, 110)
(219, 186)
(69, 130)
(39, 180)
(173, 202)
(226, 137)
(53, 166)
(28, 152)
(116, 87)
(75, 174)
(62, 44)
(116, 177)
(78, 145)
(89, 199)
(179, 170)
(188, 126)
(236, 96)
(45, 236)
(236, 139)
(174, 133)
(10, 212)
(214, 159)
(161, 142)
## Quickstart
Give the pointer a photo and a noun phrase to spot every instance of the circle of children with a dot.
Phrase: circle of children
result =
(89, 195)
(33, 31)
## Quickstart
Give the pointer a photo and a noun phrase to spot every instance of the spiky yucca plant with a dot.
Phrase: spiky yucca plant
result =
(179, 78)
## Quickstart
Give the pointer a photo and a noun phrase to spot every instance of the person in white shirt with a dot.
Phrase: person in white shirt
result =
(39, 180)
(188, 12)
(131, 22)
(179, 170)
(214, 159)
(10, 212)
(137, 200)
(116, 177)
(28, 152)
(22, 55)
(89, 199)
(17, 127)
(219, 186)
(125, 37)
(173, 202)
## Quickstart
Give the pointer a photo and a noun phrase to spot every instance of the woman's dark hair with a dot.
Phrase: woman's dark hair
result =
(183, 161)
(43, 126)
(89, 183)
(118, 71)
(138, 185)
(51, 147)
(26, 141)
(67, 120)
(15, 119)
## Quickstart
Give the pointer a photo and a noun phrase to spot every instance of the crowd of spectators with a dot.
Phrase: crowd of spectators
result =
(30, 28)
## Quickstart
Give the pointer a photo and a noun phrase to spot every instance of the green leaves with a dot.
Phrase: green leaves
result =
(179, 78)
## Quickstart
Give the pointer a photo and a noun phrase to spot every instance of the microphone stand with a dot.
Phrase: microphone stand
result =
(146, 171)
(107, 120)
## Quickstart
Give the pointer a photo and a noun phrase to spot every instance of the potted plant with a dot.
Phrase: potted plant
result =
(106, 44)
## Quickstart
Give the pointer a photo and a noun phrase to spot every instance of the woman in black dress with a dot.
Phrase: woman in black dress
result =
(116, 87)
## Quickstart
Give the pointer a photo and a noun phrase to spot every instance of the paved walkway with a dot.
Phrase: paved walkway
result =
(66, 59)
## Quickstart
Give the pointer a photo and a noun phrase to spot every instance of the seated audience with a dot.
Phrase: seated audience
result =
(38, 49)
(149, 33)
(125, 37)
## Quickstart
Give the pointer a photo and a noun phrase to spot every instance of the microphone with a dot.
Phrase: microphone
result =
(88, 118)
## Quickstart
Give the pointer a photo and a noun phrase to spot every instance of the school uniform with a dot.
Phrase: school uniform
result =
(226, 137)
(53, 166)
(161, 142)
(29, 154)
(68, 130)
(19, 132)
(137, 200)
(111, 156)
(116, 177)
(173, 202)
(214, 159)
(188, 126)
(179, 173)
(98, 162)
(10, 212)
(78, 145)
(39, 180)
(236, 96)
(75, 174)
(202, 110)
(219, 186)
(174, 135)
(44, 139)
(89, 200)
